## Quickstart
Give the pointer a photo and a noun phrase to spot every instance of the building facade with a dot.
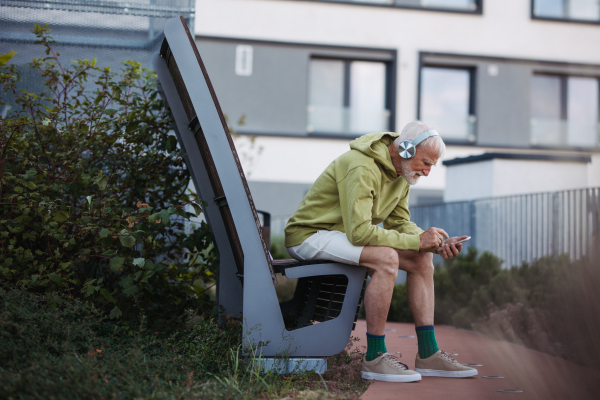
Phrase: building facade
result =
(510, 76)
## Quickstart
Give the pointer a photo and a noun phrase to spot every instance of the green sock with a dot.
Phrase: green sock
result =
(375, 345)
(427, 343)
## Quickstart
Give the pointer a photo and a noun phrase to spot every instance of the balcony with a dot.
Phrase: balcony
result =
(559, 132)
(345, 121)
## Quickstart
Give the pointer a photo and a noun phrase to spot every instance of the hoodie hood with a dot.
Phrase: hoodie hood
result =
(375, 146)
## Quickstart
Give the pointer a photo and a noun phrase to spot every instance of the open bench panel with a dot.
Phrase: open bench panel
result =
(316, 298)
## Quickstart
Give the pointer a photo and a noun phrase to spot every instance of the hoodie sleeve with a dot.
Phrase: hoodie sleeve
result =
(357, 190)
(399, 218)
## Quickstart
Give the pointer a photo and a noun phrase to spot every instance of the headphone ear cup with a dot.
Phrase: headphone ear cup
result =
(406, 149)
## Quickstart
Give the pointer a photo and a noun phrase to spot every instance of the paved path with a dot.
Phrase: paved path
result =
(538, 375)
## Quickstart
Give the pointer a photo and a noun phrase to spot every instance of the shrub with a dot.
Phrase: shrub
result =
(93, 190)
(399, 309)
(458, 278)
(551, 305)
(455, 282)
(73, 351)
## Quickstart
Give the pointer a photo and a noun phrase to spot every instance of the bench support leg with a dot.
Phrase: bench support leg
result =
(284, 365)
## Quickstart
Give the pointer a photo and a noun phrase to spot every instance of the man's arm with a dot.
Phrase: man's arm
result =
(356, 191)
(399, 218)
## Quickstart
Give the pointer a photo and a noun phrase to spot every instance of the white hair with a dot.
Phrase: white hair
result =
(414, 129)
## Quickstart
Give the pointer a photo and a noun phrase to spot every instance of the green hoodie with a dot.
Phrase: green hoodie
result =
(357, 191)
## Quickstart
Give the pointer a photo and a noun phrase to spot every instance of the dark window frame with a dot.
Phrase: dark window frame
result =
(390, 91)
(555, 19)
(478, 6)
(320, 50)
(541, 66)
(472, 69)
(564, 101)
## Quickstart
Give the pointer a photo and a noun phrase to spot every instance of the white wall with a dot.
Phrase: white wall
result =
(301, 160)
(594, 171)
(469, 181)
(503, 177)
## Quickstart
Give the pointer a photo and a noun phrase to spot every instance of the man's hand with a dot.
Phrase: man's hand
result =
(432, 239)
(450, 249)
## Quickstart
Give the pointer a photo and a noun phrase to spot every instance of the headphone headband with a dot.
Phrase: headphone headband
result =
(424, 136)
(407, 149)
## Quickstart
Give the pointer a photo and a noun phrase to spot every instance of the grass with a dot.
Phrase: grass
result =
(72, 351)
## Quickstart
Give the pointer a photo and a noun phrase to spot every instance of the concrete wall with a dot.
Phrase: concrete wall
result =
(500, 177)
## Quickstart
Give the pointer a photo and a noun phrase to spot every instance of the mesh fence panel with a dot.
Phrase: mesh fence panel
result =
(110, 31)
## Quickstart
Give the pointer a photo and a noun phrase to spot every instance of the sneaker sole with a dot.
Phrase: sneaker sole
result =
(390, 377)
(447, 374)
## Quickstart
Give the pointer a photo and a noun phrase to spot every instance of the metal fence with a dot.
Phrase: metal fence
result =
(522, 227)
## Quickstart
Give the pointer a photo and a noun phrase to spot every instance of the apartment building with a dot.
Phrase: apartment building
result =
(493, 76)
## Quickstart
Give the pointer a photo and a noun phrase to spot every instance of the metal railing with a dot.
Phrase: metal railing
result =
(522, 228)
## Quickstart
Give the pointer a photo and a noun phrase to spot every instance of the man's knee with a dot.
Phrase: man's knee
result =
(425, 264)
(390, 261)
(416, 261)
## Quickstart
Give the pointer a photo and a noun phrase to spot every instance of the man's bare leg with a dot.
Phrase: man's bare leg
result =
(419, 286)
(383, 264)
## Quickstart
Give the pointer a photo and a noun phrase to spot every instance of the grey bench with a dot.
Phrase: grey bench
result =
(318, 321)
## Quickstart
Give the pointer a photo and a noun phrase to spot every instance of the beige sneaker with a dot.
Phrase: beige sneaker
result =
(388, 368)
(441, 364)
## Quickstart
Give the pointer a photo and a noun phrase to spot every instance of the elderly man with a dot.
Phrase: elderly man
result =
(337, 220)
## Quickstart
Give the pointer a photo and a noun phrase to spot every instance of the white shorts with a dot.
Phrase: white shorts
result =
(327, 245)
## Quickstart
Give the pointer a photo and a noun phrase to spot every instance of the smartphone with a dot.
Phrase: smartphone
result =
(464, 240)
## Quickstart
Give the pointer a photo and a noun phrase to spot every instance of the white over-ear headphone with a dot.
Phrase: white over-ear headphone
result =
(407, 149)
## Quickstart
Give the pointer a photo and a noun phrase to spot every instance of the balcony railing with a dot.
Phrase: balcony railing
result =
(438, 5)
(567, 10)
(559, 132)
(454, 128)
(346, 121)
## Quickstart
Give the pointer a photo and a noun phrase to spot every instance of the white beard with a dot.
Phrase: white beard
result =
(411, 176)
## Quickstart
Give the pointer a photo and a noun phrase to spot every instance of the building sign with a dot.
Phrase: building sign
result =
(243, 60)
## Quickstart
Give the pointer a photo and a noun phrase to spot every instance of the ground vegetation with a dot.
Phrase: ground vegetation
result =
(551, 304)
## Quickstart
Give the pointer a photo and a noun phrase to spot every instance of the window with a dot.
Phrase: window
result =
(564, 110)
(347, 97)
(446, 102)
(438, 5)
(575, 10)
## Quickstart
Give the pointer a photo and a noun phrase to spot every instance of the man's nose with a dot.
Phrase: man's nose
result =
(426, 171)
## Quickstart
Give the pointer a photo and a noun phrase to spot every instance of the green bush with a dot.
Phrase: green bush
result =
(455, 282)
(399, 309)
(457, 279)
(551, 305)
(94, 189)
(278, 250)
(73, 351)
